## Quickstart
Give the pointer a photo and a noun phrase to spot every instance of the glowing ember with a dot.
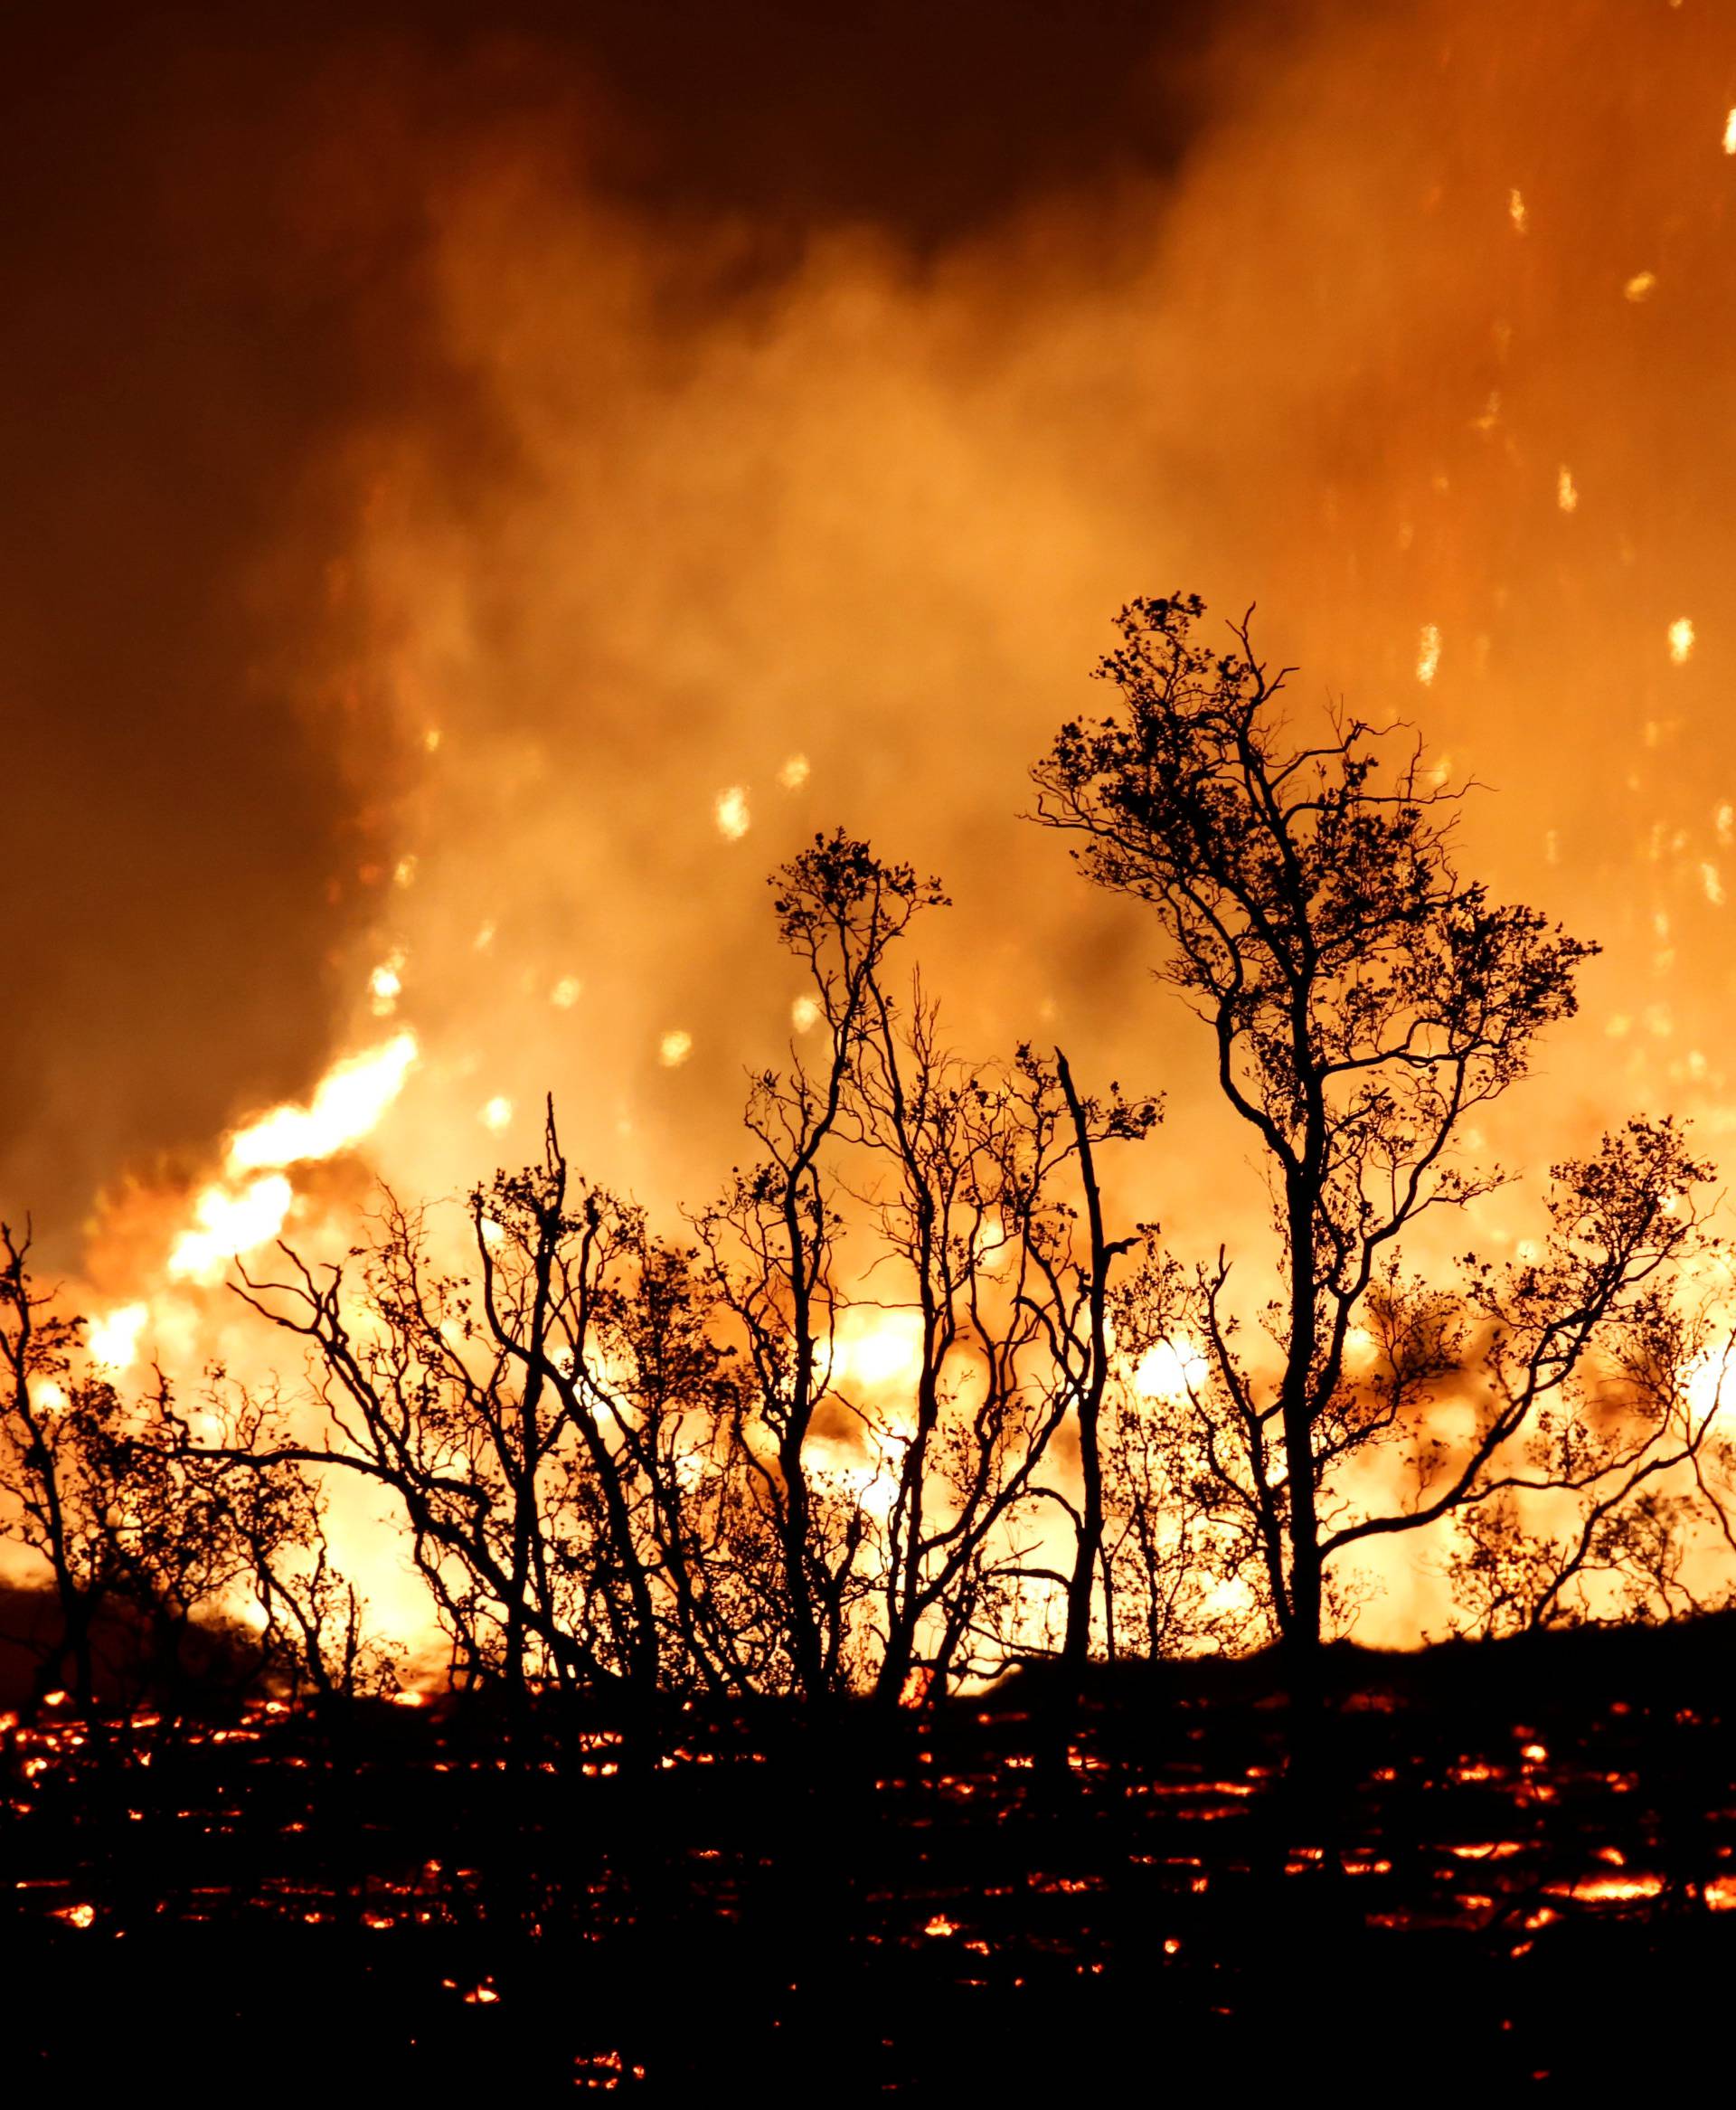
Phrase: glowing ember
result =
(675, 1048)
(1608, 1889)
(1427, 654)
(385, 986)
(733, 819)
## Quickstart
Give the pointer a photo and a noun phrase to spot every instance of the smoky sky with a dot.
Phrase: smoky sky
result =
(215, 254)
(449, 450)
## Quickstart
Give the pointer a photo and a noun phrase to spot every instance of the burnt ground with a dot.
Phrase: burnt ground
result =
(1482, 1868)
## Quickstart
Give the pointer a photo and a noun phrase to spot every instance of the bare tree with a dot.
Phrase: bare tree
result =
(45, 1412)
(907, 1513)
(560, 1425)
(964, 1174)
(1362, 999)
(312, 1631)
(1610, 1370)
(133, 1520)
(772, 1239)
(420, 1393)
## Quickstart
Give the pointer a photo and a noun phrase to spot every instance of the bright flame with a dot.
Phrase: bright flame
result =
(496, 1114)
(1681, 641)
(1730, 133)
(228, 1223)
(1567, 492)
(1702, 1383)
(1640, 286)
(794, 773)
(114, 1340)
(873, 1349)
(1169, 1370)
(674, 1049)
(1516, 211)
(347, 1104)
(805, 1013)
(566, 992)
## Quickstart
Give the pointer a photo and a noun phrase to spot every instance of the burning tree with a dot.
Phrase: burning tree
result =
(1363, 999)
(57, 1511)
(558, 1426)
(175, 1544)
(636, 1469)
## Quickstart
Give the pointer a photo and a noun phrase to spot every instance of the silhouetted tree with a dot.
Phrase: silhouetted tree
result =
(46, 1412)
(771, 1243)
(1362, 1000)
(967, 1170)
(309, 1622)
(1174, 1560)
(555, 1424)
(173, 1544)
(907, 1511)
(1611, 1369)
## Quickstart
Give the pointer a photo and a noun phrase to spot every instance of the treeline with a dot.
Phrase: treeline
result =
(899, 1404)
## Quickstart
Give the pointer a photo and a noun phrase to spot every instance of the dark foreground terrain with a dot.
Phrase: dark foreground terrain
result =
(1493, 1867)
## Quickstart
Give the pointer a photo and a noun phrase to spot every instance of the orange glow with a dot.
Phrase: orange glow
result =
(833, 534)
